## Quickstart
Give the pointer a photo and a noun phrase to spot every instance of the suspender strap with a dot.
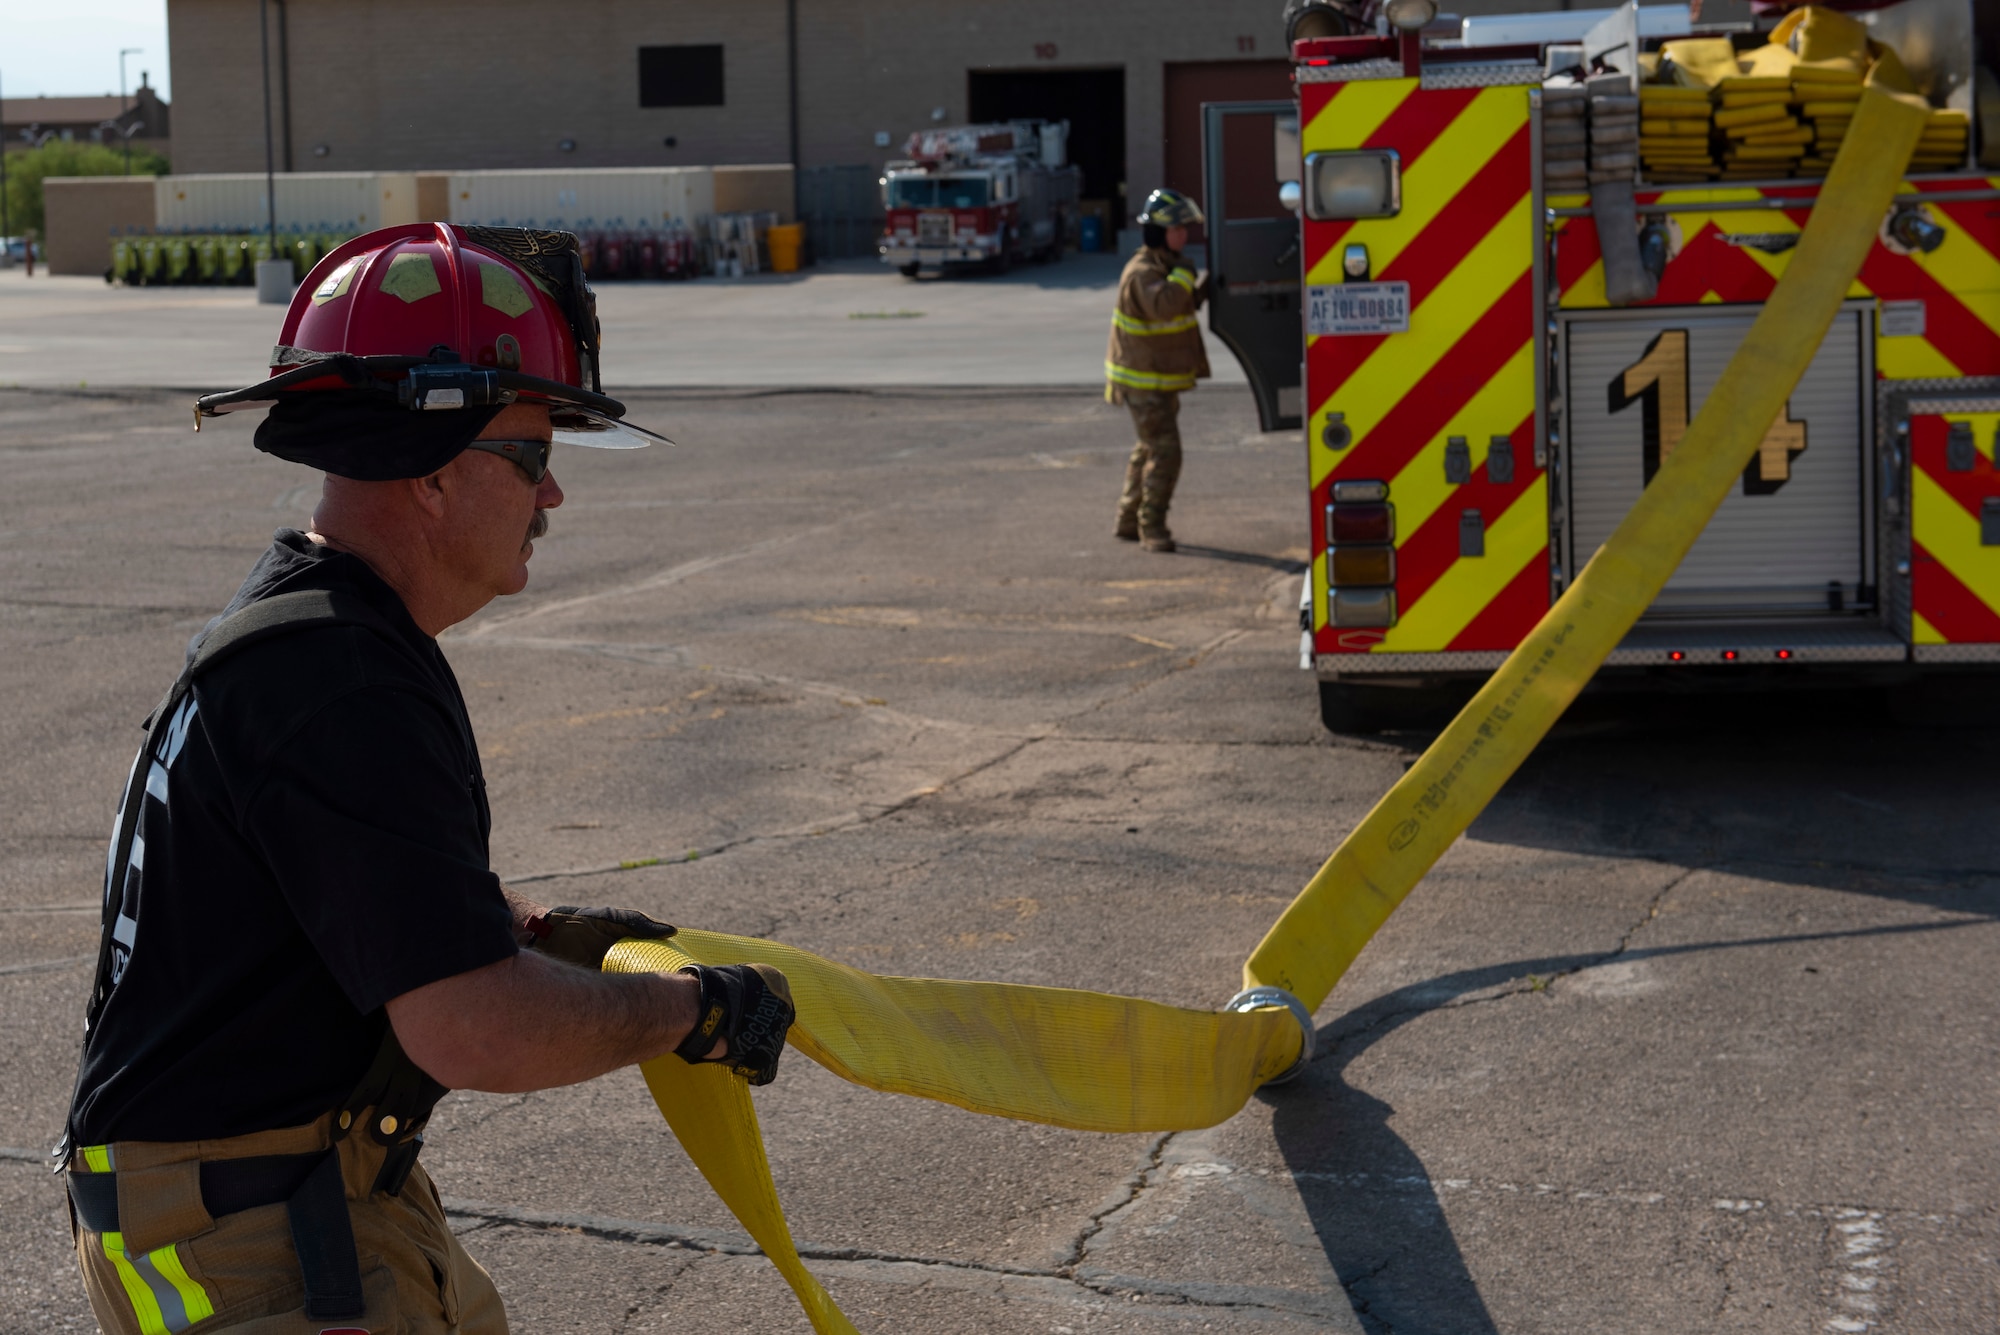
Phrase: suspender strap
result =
(323, 1236)
(397, 1095)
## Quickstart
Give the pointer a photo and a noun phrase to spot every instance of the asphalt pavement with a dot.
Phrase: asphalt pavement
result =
(1695, 1030)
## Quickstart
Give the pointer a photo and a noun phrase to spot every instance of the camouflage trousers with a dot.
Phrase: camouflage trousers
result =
(1156, 461)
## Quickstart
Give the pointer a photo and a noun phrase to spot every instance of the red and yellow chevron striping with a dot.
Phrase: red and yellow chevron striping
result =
(1463, 240)
(1727, 256)
(1954, 574)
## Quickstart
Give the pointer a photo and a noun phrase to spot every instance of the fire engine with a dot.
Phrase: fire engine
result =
(1499, 337)
(987, 195)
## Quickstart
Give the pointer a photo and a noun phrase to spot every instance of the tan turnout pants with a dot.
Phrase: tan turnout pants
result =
(172, 1268)
(1156, 460)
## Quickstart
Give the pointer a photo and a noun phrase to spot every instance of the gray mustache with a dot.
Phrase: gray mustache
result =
(539, 525)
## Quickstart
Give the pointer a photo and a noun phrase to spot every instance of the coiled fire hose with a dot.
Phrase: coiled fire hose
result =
(1106, 1063)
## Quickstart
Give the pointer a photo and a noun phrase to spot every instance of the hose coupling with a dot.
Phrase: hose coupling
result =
(1258, 998)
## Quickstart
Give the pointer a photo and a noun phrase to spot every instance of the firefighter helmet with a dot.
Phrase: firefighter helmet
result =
(1170, 208)
(393, 326)
(1307, 20)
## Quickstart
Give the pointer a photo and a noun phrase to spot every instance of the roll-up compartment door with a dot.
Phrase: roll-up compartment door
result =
(1793, 531)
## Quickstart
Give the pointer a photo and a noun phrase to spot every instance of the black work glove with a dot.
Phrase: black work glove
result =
(585, 936)
(1201, 292)
(750, 1005)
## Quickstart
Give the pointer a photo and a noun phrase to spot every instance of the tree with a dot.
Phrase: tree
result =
(27, 167)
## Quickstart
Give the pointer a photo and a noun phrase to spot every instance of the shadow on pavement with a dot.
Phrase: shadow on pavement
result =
(1879, 791)
(1278, 563)
(1872, 790)
(1865, 789)
(1370, 1199)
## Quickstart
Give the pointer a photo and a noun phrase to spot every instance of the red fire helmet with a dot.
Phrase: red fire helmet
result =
(434, 316)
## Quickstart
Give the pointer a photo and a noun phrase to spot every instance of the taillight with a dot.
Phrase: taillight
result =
(1360, 523)
(1361, 565)
(1361, 555)
(1362, 607)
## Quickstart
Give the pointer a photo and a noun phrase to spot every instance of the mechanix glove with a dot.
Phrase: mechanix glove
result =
(585, 936)
(750, 1005)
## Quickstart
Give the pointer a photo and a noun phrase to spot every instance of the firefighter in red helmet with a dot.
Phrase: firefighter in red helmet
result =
(303, 946)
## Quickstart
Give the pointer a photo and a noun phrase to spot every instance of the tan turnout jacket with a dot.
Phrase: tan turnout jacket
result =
(1155, 336)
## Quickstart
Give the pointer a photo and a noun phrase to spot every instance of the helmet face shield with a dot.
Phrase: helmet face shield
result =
(445, 324)
(582, 426)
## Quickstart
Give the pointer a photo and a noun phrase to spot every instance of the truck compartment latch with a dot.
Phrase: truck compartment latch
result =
(1959, 451)
(1471, 533)
(1457, 461)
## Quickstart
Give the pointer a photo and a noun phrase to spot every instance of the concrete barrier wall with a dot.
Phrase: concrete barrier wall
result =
(573, 197)
(84, 211)
(81, 213)
(234, 201)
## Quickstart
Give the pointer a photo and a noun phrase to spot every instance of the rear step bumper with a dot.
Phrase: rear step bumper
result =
(1666, 644)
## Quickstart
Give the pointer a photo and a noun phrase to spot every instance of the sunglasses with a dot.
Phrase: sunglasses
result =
(532, 456)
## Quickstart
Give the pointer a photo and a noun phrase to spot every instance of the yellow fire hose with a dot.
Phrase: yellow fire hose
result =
(1105, 1063)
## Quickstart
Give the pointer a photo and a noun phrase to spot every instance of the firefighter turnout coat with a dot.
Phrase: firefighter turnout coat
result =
(1155, 337)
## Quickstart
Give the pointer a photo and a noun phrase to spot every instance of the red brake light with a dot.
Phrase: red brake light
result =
(1675, 655)
(1361, 523)
(1784, 655)
(1729, 655)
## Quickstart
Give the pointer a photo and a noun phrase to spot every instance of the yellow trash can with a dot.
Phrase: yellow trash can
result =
(785, 241)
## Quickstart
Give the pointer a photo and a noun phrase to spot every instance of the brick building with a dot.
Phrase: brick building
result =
(30, 119)
(455, 84)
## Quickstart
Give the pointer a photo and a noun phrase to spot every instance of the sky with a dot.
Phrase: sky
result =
(69, 47)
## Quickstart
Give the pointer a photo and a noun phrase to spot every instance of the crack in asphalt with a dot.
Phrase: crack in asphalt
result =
(1071, 1273)
(1127, 1194)
(812, 829)
(1363, 1308)
(868, 815)
(661, 579)
(729, 1243)
(1535, 982)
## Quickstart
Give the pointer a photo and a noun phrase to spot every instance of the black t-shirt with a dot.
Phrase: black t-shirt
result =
(313, 844)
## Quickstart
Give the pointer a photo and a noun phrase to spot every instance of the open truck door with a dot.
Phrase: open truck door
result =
(1249, 150)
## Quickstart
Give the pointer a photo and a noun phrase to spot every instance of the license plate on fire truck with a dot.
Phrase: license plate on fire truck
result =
(1358, 308)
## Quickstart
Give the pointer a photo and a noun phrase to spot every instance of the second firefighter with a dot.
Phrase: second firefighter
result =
(1156, 353)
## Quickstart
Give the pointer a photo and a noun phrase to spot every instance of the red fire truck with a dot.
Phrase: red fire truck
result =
(1481, 407)
(987, 195)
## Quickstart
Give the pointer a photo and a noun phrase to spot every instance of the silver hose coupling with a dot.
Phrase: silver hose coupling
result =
(1258, 998)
